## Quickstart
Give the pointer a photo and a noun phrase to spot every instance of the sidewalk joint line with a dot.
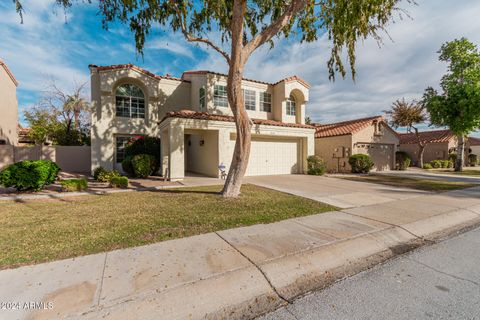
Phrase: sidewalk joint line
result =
(257, 267)
(393, 225)
(101, 282)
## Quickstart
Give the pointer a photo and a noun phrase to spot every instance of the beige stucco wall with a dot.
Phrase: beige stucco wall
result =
(331, 150)
(433, 151)
(6, 155)
(161, 96)
(8, 108)
(336, 158)
(173, 151)
(475, 150)
(201, 155)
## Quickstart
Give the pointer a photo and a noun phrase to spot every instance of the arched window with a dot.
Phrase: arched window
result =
(291, 106)
(129, 101)
(202, 98)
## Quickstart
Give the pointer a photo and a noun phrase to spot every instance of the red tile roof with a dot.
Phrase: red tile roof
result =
(190, 114)
(433, 136)
(10, 74)
(474, 141)
(288, 79)
(136, 68)
(345, 127)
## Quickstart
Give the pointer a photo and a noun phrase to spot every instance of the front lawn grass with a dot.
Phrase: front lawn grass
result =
(36, 231)
(413, 183)
(462, 173)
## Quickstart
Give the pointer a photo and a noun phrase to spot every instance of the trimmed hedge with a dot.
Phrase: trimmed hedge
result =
(402, 160)
(71, 185)
(119, 182)
(29, 175)
(127, 166)
(143, 165)
(105, 175)
(427, 166)
(360, 163)
(316, 166)
(144, 145)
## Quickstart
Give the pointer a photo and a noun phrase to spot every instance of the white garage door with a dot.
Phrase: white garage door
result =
(270, 156)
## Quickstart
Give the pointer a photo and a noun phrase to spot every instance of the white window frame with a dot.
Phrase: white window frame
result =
(202, 98)
(129, 105)
(265, 101)
(125, 139)
(220, 98)
(291, 106)
(250, 99)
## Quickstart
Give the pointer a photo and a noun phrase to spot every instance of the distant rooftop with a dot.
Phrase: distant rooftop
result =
(433, 136)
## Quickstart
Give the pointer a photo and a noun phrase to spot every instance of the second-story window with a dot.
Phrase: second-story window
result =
(249, 99)
(220, 96)
(291, 106)
(265, 102)
(202, 98)
(129, 101)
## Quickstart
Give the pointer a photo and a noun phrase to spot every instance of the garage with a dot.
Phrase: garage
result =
(270, 156)
(381, 154)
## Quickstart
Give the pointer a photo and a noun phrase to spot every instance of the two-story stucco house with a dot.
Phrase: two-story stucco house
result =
(8, 106)
(192, 118)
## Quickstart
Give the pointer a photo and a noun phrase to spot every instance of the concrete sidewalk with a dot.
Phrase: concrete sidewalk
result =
(238, 273)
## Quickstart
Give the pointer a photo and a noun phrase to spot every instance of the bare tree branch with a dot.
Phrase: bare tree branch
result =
(274, 28)
(192, 38)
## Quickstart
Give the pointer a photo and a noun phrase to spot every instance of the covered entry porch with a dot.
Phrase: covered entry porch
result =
(199, 146)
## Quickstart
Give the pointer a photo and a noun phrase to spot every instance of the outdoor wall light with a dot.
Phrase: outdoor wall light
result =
(202, 142)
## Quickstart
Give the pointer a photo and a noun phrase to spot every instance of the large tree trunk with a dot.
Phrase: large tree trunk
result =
(421, 151)
(460, 153)
(241, 152)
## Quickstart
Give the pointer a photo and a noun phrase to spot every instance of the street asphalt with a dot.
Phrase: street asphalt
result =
(441, 281)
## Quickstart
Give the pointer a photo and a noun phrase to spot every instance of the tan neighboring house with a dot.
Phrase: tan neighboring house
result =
(192, 118)
(439, 143)
(336, 142)
(474, 145)
(8, 106)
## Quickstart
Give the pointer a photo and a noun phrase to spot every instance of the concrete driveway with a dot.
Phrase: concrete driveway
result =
(337, 192)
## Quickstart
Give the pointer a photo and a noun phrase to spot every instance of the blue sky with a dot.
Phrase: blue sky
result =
(46, 47)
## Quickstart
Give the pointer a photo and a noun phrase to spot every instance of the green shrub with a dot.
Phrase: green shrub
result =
(445, 163)
(106, 176)
(143, 165)
(427, 166)
(97, 172)
(452, 157)
(316, 166)
(71, 185)
(119, 182)
(127, 166)
(472, 159)
(402, 160)
(29, 175)
(360, 163)
(436, 164)
(144, 145)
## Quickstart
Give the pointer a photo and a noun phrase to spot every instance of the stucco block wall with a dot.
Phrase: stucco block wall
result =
(433, 151)
(6, 155)
(325, 148)
(475, 150)
(8, 108)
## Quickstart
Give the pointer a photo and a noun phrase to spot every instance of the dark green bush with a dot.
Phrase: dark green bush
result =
(436, 164)
(106, 176)
(119, 182)
(29, 175)
(143, 165)
(472, 159)
(445, 163)
(144, 145)
(71, 185)
(427, 166)
(360, 163)
(316, 166)
(127, 166)
(97, 172)
(452, 157)
(402, 160)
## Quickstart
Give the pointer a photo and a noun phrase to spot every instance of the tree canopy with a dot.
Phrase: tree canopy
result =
(406, 114)
(457, 106)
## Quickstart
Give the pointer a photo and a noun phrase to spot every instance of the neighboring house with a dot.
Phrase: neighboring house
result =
(474, 145)
(24, 137)
(192, 118)
(336, 142)
(439, 143)
(8, 106)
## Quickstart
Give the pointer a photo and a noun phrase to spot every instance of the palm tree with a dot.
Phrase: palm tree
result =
(409, 115)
